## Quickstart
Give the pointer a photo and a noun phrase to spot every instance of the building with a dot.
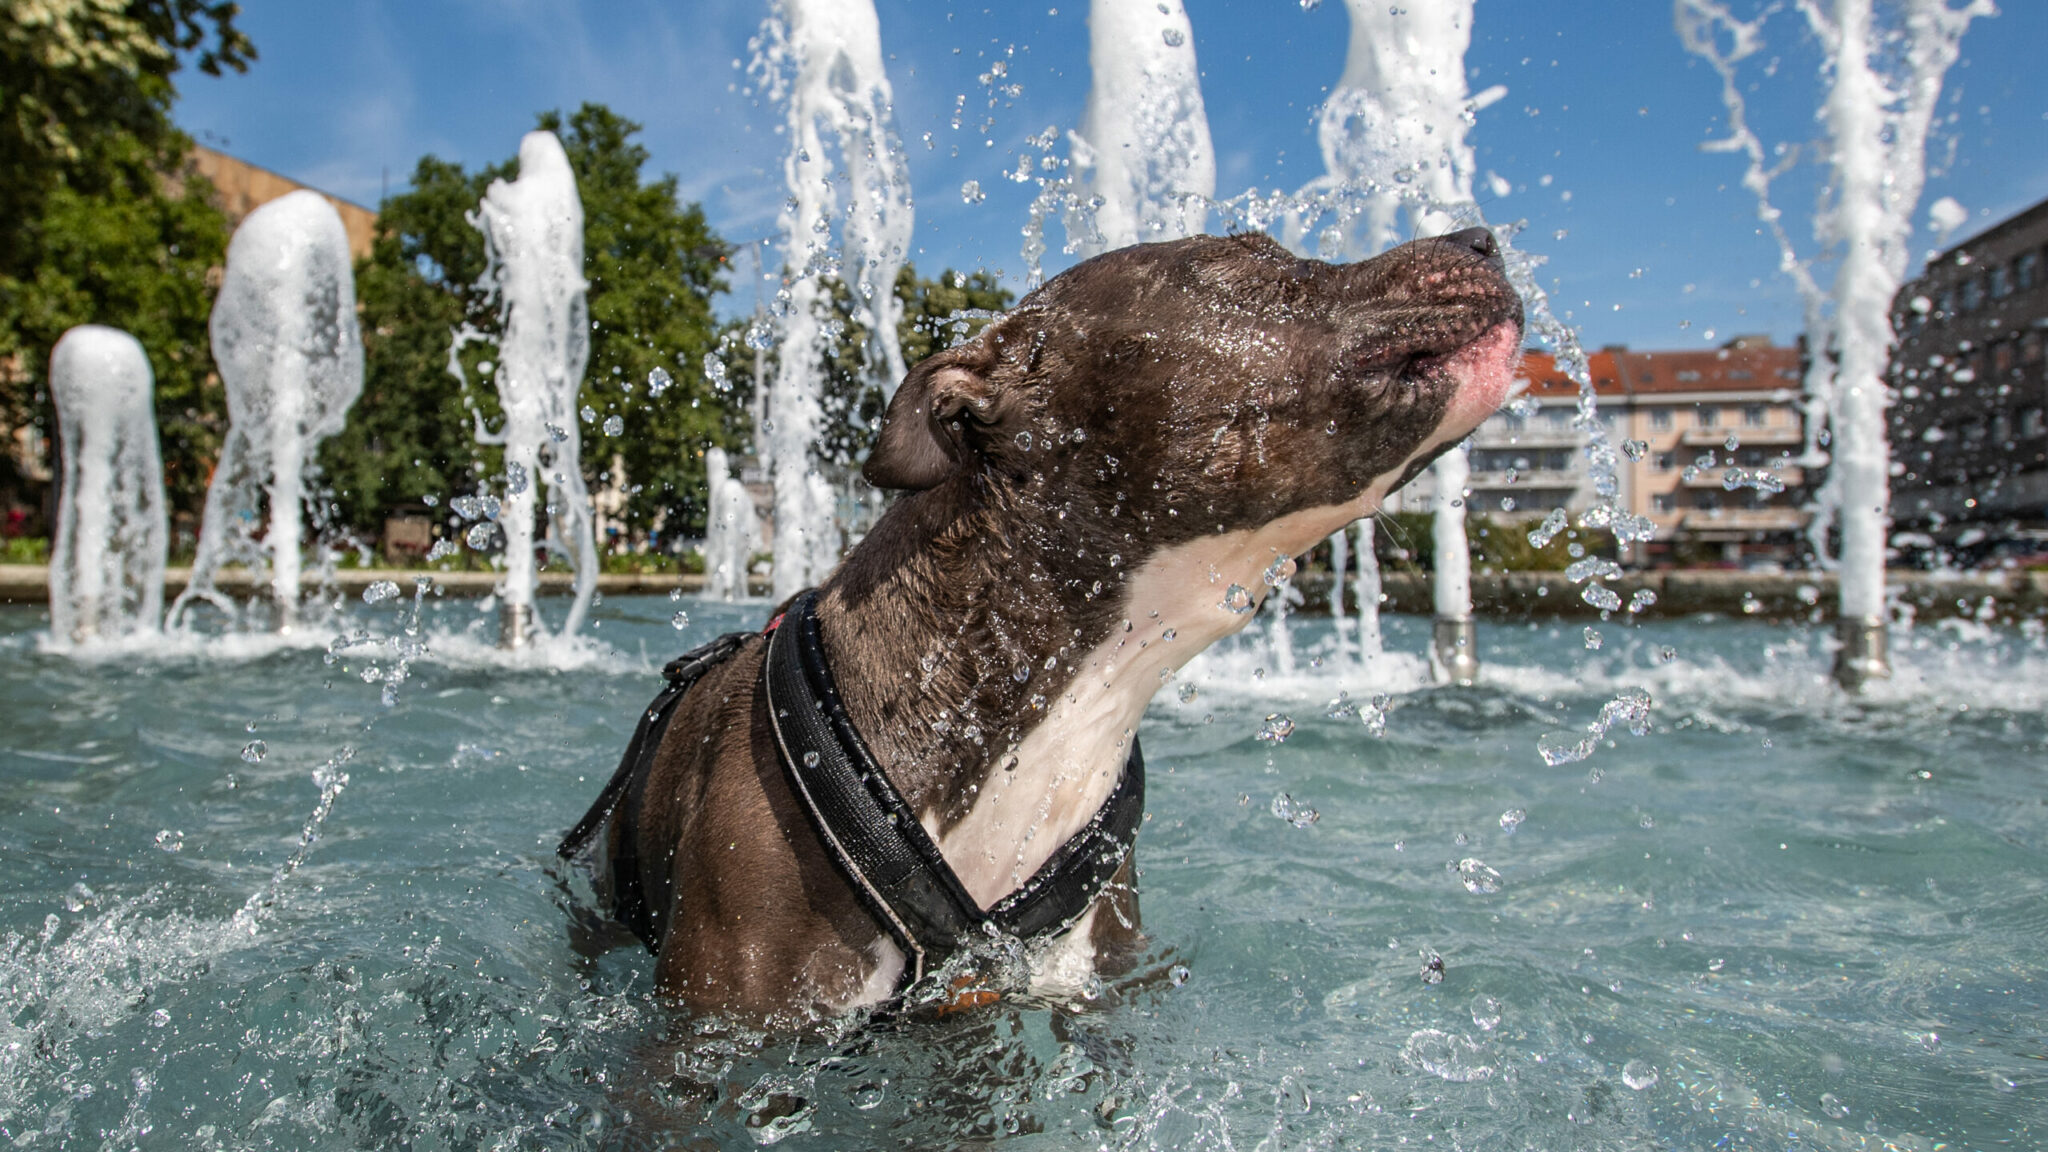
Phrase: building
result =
(1969, 418)
(1706, 438)
(243, 188)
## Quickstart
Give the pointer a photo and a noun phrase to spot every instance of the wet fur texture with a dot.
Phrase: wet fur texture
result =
(1133, 408)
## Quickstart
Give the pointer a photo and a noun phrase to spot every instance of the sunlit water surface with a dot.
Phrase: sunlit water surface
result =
(1775, 920)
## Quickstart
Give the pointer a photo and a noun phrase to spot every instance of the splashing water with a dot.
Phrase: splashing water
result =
(732, 531)
(1631, 708)
(533, 236)
(290, 356)
(107, 562)
(822, 61)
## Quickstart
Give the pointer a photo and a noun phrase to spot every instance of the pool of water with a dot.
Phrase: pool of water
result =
(250, 905)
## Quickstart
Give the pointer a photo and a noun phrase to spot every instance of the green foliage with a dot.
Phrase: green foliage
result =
(652, 266)
(100, 220)
(852, 396)
(1406, 542)
(25, 550)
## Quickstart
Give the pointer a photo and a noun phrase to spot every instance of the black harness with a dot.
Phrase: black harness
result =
(861, 820)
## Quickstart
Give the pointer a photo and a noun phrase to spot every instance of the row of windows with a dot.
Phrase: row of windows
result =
(1709, 416)
(1708, 500)
(1978, 289)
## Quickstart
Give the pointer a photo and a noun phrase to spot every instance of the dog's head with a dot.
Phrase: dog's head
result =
(1218, 382)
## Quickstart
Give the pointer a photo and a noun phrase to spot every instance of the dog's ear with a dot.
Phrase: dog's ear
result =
(922, 432)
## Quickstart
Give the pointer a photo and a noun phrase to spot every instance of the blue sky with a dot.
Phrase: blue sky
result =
(1650, 242)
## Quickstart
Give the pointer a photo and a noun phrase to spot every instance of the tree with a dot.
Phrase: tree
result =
(100, 220)
(652, 265)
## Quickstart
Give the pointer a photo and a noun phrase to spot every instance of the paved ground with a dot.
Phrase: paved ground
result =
(1794, 595)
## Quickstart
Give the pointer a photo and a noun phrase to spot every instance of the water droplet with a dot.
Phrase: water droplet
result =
(1930, 1040)
(614, 425)
(1168, 634)
(810, 759)
(1279, 572)
(1299, 815)
(1635, 449)
(170, 841)
(658, 379)
(1341, 708)
(680, 621)
(1477, 877)
(589, 414)
(1238, 599)
(971, 193)
(1593, 639)
(380, 591)
(1833, 1106)
(868, 1097)
(1024, 440)
(1177, 975)
(1666, 655)
(1642, 599)
(1447, 1056)
(1716, 964)
(557, 433)
(1486, 1012)
(254, 751)
(1174, 37)
(480, 534)
(1512, 819)
(1433, 970)
(1276, 729)
(1639, 1075)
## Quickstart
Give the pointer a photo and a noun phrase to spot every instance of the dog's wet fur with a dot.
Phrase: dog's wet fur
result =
(1085, 482)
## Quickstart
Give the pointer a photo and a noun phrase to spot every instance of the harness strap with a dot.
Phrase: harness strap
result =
(876, 839)
(629, 782)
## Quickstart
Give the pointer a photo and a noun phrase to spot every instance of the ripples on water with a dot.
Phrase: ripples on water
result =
(1777, 919)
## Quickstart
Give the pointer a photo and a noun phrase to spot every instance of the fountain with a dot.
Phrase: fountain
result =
(822, 60)
(1884, 85)
(291, 358)
(533, 235)
(731, 530)
(1394, 128)
(107, 562)
(1142, 163)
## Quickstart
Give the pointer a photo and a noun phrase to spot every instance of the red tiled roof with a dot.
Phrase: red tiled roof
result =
(1547, 379)
(1710, 369)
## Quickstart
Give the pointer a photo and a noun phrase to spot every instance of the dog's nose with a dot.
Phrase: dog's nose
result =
(1477, 239)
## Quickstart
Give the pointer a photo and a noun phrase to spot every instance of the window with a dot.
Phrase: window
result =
(1688, 375)
(1973, 293)
(1666, 461)
(1947, 305)
(1741, 374)
(2033, 422)
(2001, 282)
(1707, 416)
(1753, 416)
(1661, 502)
(1708, 499)
(1660, 419)
(2030, 348)
(1558, 417)
(2001, 357)
(2027, 270)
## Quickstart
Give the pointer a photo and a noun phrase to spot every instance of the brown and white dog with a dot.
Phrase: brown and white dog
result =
(1086, 482)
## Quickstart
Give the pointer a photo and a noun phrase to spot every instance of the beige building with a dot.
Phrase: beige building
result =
(244, 187)
(1714, 434)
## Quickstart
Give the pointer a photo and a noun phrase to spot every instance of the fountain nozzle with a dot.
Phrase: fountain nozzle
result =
(515, 626)
(1454, 651)
(1865, 652)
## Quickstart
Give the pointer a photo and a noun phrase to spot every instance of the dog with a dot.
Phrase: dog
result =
(1101, 484)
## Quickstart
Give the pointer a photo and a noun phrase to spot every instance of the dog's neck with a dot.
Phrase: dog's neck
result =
(999, 675)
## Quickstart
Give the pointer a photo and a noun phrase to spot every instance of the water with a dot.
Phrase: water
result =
(1780, 919)
(290, 355)
(822, 62)
(533, 235)
(107, 566)
(731, 530)
(1143, 165)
